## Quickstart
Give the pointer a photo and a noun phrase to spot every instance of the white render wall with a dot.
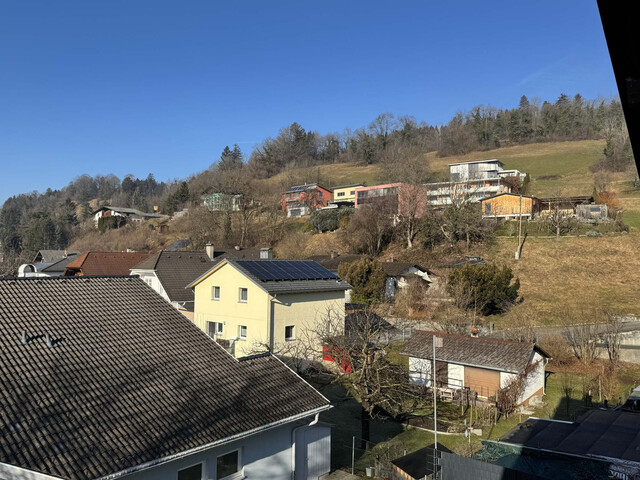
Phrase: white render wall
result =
(263, 456)
(420, 371)
(535, 380)
(456, 375)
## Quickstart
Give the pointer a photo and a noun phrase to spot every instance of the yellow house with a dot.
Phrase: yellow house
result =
(260, 305)
(346, 193)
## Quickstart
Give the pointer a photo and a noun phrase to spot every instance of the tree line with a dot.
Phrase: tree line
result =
(32, 221)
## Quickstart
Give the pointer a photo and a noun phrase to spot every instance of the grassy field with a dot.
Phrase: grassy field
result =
(572, 274)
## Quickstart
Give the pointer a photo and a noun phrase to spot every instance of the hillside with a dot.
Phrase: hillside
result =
(556, 275)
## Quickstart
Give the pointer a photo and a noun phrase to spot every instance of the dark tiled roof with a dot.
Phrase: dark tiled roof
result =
(292, 286)
(176, 270)
(483, 352)
(129, 380)
(50, 256)
(599, 433)
(104, 263)
(393, 269)
(333, 263)
(61, 265)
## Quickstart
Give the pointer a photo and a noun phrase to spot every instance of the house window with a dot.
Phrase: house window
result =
(215, 293)
(242, 332)
(191, 473)
(290, 332)
(244, 295)
(487, 208)
(340, 194)
(214, 329)
(352, 192)
(227, 465)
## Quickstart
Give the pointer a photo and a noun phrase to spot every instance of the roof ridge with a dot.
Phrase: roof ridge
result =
(501, 340)
(63, 278)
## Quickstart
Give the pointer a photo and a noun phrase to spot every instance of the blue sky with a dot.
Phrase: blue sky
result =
(159, 86)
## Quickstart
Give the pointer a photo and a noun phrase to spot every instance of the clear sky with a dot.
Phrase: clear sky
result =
(139, 86)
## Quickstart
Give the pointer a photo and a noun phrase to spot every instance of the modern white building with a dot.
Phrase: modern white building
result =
(471, 182)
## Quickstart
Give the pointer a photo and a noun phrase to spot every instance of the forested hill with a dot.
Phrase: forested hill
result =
(53, 219)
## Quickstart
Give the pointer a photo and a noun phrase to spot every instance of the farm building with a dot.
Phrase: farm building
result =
(482, 365)
(565, 205)
(508, 205)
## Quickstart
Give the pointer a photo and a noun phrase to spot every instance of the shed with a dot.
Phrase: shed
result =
(483, 365)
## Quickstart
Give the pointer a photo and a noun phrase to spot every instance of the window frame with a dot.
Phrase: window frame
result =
(239, 473)
(240, 336)
(240, 299)
(199, 464)
(213, 293)
(293, 331)
(217, 333)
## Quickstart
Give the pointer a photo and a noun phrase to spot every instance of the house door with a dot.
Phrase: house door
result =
(313, 452)
(442, 374)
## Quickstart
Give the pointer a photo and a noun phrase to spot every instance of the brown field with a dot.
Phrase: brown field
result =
(574, 274)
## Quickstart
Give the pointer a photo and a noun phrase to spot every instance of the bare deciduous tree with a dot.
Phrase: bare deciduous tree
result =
(583, 335)
(611, 335)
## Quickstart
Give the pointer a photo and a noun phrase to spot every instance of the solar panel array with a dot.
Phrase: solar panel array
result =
(266, 271)
(299, 188)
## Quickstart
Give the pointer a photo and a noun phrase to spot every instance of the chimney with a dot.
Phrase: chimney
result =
(333, 255)
(266, 253)
(237, 247)
(210, 251)
(474, 332)
(25, 338)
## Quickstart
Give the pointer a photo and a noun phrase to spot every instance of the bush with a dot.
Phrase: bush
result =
(485, 288)
(111, 222)
(329, 220)
(367, 278)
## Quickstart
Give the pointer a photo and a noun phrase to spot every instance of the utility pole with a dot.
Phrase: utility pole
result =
(437, 342)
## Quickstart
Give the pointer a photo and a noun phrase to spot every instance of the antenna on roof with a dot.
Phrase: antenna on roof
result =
(25, 338)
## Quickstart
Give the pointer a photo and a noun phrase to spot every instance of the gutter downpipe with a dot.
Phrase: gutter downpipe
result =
(272, 327)
(293, 444)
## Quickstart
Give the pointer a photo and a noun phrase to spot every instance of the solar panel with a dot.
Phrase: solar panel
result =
(275, 270)
(298, 188)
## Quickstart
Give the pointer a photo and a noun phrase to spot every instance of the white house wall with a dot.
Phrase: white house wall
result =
(264, 456)
(534, 381)
(456, 375)
(420, 371)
